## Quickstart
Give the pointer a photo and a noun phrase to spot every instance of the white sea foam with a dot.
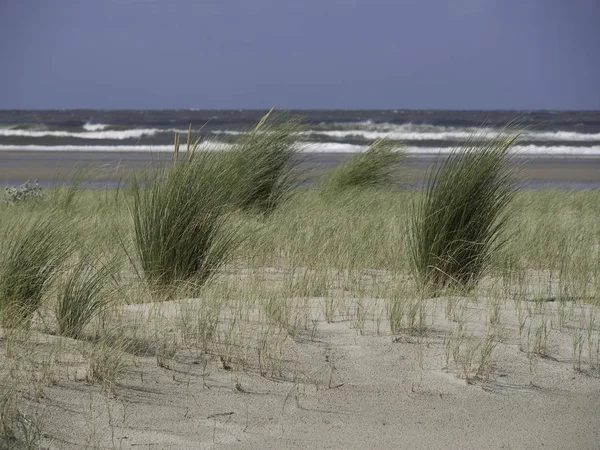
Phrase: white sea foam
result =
(134, 133)
(397, 135)
(410, 132)
(561, 136)
(94, 126)
(207, 145)
(330, 147)
(308, 147)
(363, 130)
(558, 150)
(229, 132)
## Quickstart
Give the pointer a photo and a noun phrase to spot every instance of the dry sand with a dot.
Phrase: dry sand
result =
(337, 390)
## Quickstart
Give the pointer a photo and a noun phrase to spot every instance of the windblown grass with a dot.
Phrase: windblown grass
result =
(180, 213)
(457, 225)
(375, 168)
(66, 196)
(262, 163)
(344, 259)
(83, 294)
(108, 359)
(34, 251)
(179, 217)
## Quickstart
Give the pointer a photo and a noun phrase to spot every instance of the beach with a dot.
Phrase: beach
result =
(343, 390)
(316, 336)
(273, 290)
(107, 168)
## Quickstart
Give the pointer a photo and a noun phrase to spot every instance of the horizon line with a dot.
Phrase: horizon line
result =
(309, 109)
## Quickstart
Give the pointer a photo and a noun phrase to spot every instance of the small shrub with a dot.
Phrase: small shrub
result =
(457, 224)
(30, 192)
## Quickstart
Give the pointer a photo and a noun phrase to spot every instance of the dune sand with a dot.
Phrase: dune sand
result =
(335, 388)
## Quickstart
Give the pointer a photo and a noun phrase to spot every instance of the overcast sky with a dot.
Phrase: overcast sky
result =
(447, 54)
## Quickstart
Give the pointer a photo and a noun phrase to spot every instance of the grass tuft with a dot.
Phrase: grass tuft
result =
(34, 250)
(108, 359)
(375, 168)
(263, 162)
(458, 222)
(179, 220)
(82, 295)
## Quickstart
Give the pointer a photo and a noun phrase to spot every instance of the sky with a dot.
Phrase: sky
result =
(300, 54)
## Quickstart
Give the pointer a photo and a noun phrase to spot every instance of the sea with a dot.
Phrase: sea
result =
(90, 134)
(549, 133)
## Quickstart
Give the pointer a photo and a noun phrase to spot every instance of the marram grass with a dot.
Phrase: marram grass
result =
(263, 162)
(457, 224)
(179, 216)
(34, 248)
(180, 213)
(375, 169)
(83, 293)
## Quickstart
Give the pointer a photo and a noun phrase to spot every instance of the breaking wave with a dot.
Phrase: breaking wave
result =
(307, 147)
(410, 132)
(94, 126)
(134, 133)
(207, 145)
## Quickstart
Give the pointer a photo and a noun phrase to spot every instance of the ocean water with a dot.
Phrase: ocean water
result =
(546, 133)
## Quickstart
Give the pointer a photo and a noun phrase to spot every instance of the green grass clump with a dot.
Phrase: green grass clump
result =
(180, 213)
(262, 163)
(457, 225)
(34, 250)
(374, 168)
(179, 219)
(82, 295)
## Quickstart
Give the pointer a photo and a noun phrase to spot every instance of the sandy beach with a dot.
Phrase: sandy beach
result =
(341, 389)
(111, 167)
(316, 337)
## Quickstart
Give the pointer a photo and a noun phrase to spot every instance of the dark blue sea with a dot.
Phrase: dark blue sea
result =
(547, 133)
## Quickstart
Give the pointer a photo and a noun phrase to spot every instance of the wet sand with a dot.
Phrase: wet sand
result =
(110, 167)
